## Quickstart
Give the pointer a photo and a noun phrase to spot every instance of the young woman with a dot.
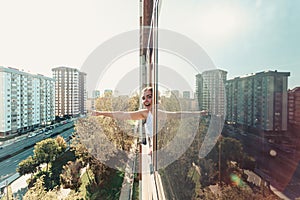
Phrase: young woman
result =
(146, 114)
(133, 115)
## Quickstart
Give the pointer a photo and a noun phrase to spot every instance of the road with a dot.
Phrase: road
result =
(24, 141)
(8, 166)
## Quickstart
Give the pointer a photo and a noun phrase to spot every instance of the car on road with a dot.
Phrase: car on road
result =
(48, 132)
(32, 134)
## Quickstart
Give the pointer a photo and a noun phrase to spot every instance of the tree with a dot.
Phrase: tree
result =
(70, 178)
(27, 166)
(99, 170)
(82, 154)
(99, 134)
(208, 172)
(46, 151)
(38, 191)
(231, 150)
(61, 143)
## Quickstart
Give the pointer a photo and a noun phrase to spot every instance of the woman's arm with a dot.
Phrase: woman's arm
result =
(134, 115)
(181, 114)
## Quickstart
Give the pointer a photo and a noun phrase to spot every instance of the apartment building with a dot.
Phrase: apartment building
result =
(210, 91)
(294, 108)
(258, 101)
(186, 94)
(70, 92)
(95, 94)
(26, 100)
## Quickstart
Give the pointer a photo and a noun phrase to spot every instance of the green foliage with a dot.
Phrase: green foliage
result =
(38, 192)
(111, 188)
(231, 150)
(111, 103)
(208, 172)
(184, 174)
(27, 166)
(81, 152)
(61, 143)
(8, 195)
(135, 188)
(170, 103)
(97, 135)
(70, 178)
(75, 196)
(49, 151)
(195, 175)
(176, 181)
(57, 167)
(46, 151)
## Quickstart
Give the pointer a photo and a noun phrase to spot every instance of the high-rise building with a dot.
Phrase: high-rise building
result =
(90, 104)
(294, 108)
(71, 94)
(26, 100)
(258, 101)
(108, 92)
(210, 91)
(186, 94)
(95, 94)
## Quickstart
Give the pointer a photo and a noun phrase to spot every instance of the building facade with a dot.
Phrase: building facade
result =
(90, 104)
(70, 92)
(258, 101)
(210, 91)
(294, 108)
(186, 94)
(95, 94)
(26, 100)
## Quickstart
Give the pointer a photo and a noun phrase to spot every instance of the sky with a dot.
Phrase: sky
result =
(239, 36)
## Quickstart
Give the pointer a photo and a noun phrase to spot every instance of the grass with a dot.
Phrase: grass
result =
(85, 182)
(112, 189)
(109, 190)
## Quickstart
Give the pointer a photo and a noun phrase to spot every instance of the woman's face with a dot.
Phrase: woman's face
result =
(147, 99)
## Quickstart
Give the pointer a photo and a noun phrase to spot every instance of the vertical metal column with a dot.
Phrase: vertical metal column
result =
(146, 7)
(155, 80)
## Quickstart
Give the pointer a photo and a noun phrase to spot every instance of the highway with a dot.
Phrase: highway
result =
(8, 167)
(24, 141)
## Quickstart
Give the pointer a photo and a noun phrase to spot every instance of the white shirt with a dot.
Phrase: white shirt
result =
(149, 125)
